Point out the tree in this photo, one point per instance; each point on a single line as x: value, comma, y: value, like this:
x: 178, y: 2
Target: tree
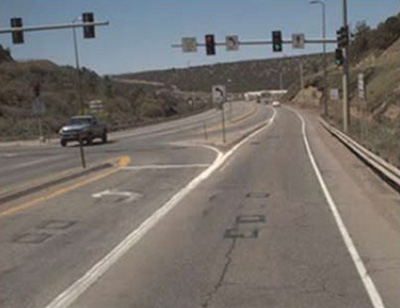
x: 361, y: 43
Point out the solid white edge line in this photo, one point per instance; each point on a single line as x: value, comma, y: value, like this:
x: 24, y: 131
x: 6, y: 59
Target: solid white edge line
x: 355, y: 256
x: 68, y: 296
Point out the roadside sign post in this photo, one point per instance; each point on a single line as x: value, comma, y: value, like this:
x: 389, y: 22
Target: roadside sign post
x: 334, y: 94
x: 219, y: 98
x: 82, y: 152
x: 363, y: 104
x: 38, y: 109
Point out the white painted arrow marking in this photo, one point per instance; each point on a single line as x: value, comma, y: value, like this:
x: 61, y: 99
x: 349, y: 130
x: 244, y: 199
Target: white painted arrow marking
x: 130, y: 196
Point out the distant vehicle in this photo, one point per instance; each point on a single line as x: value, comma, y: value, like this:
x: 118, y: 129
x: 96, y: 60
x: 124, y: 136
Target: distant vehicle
x: 258, y: 100
x: 85, y: 128
x: 276, y: 104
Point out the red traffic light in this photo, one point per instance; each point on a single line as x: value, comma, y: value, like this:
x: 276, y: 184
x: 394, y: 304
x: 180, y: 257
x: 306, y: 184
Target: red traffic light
x: 17, y: 36
x: 88, y: 31
x: 210, y: 44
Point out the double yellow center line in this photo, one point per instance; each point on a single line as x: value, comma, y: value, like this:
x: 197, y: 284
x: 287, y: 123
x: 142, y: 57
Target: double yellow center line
x: 122, y: 162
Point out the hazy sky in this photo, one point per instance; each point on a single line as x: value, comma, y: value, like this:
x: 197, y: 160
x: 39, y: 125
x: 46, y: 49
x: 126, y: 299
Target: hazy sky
x: 140, y: 33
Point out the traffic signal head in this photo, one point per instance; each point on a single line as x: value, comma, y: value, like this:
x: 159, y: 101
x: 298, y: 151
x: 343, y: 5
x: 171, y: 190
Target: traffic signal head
x: 339, y: 56
x: 88, y: 31
x: 343, y: 37
x: 210, y: 44
x: 17, y: 36
x: 277, y: 41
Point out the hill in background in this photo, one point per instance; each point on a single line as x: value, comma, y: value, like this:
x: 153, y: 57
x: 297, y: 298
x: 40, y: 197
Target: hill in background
x: 239, y: 77
x: 125, y: 105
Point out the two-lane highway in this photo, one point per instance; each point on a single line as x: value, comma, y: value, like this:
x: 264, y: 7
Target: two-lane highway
x: 26, y: 163
x: 267, y: 222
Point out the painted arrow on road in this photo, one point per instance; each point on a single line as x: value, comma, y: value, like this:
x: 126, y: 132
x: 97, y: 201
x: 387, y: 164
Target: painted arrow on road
x: 130, y: 196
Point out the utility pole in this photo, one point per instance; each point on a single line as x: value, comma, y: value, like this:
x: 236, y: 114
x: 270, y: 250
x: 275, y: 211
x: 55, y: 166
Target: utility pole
x: 346, y: 107
x: 78, y: 71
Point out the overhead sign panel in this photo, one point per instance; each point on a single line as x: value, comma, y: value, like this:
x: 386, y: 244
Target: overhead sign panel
x: 232, y: 43
x: 189, y: 44
x: 298, y: 40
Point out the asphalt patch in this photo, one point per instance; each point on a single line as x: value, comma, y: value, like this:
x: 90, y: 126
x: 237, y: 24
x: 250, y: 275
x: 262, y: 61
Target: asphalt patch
x: 32, y: 238
x: 250, y: 219
x: 257, y: 195
x: 236, y: 233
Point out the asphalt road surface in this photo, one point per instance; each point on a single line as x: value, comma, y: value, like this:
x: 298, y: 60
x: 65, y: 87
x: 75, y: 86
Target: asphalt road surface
x: 285, y: 217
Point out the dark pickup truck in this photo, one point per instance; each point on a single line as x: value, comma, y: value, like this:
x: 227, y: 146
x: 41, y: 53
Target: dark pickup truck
x: 85, y: 128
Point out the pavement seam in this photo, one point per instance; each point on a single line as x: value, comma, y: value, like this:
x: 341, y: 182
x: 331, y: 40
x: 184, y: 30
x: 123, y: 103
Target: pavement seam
x: 228, y: 256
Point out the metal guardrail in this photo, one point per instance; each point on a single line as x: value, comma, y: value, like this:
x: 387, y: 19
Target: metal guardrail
x: 386, y: 170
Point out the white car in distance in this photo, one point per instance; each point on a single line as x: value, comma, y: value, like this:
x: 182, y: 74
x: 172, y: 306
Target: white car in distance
x: 276, y: 104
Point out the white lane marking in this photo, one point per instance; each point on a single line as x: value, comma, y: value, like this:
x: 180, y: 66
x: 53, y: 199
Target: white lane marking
x: 361, y: 269
x: 9, y: 155
x: 165, y: 167
x: 30, y: 163
x: 130, y: 196
x: 68, y: 296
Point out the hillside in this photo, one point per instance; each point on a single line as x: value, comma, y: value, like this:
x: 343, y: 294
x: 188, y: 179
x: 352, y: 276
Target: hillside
x: 238, y: 76
x: 374, y: 122
x: 5, y: 55
x: 125, y: 105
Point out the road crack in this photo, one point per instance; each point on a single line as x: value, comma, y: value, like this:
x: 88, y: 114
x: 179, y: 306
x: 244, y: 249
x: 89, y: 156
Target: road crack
x: 228, y: 257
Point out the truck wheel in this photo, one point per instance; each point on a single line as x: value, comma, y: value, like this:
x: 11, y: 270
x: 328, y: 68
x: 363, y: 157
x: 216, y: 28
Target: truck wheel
x: 63, y: 143
x: 104, y: 137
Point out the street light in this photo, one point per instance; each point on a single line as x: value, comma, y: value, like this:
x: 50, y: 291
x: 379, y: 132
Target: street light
x: 324, y: 53
x: 77, y: 66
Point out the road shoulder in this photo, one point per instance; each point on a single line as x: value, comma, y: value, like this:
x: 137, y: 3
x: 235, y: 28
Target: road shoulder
x: 368, y: 206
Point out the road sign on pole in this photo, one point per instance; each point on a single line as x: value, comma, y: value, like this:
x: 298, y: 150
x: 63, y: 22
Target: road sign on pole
x: 334, y: 94
x: 38, y: 107
x: 218, y: 95
x: 232, y: 43
x: 189, y: 44
x: 298, y: 40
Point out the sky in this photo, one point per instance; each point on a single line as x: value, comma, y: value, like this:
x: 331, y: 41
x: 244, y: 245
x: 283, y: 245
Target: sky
x: 141, y: 32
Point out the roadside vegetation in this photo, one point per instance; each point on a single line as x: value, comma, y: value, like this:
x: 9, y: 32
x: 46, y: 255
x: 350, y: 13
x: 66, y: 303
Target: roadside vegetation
x: 124, y: 105
x: 375, y: 121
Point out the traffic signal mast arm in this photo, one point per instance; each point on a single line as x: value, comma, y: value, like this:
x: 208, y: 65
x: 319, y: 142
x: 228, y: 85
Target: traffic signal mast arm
x: 255, y: 43
x: 53, y: 27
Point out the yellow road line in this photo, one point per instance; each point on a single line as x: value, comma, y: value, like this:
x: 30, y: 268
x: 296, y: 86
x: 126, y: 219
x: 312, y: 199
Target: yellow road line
x: 123, y: 161
x: 29, y: 184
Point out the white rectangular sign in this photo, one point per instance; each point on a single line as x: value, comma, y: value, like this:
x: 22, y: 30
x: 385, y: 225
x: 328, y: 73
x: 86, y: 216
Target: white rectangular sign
x: 189, y: 44
x: 232, y: 42
x: 298, y: 40
x: 361, y: 86
x: 334, y: 94
x: 218, y: 95
x: 38, y: 107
